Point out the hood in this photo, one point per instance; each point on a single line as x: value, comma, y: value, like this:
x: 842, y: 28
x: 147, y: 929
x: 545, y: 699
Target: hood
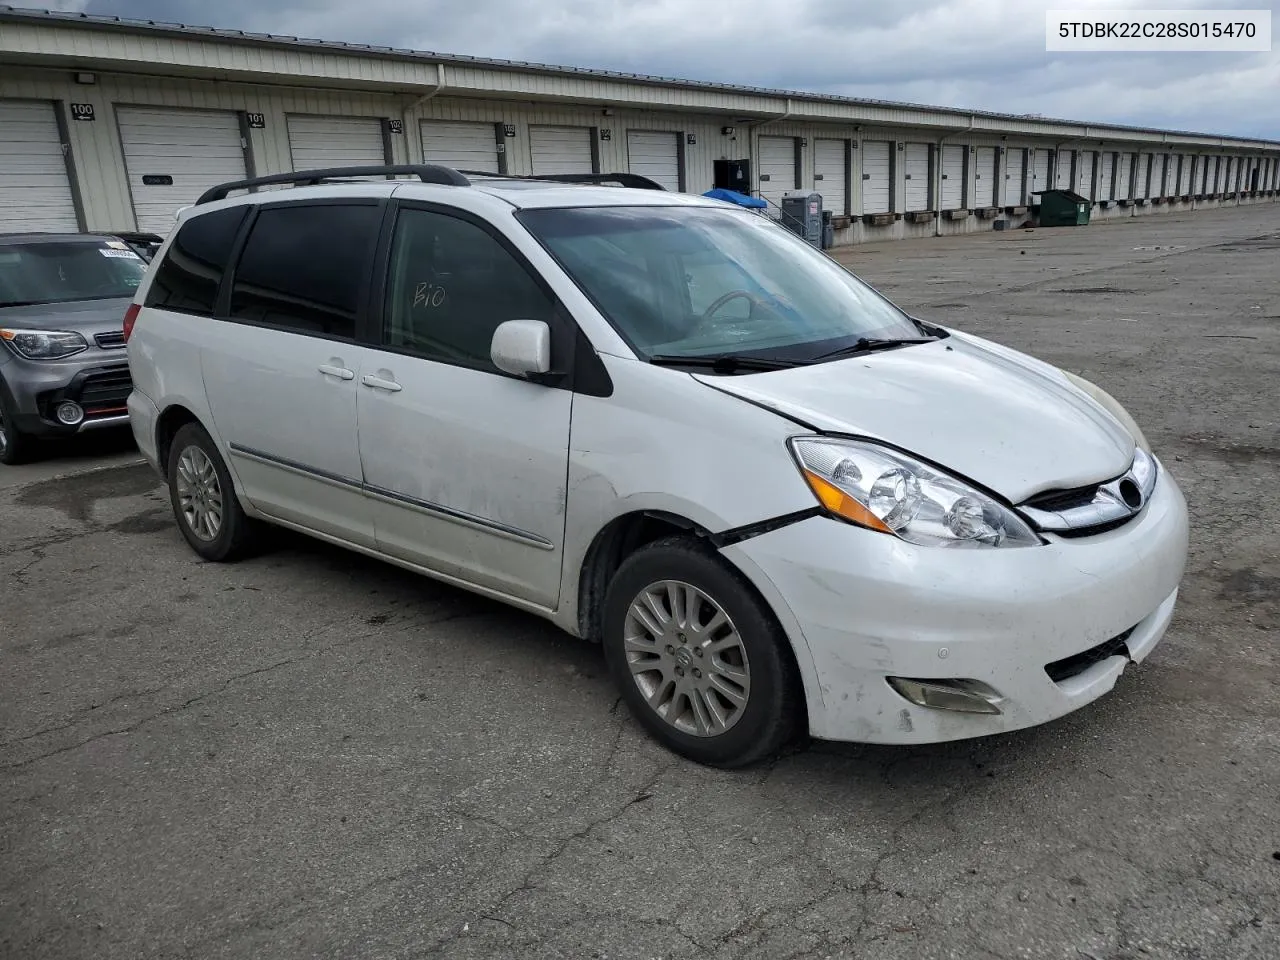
x: 1009, y: 422
x: 83, y: 316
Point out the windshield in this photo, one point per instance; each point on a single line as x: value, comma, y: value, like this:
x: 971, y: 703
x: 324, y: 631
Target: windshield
x: 698, y: 282
x: 57, y: 271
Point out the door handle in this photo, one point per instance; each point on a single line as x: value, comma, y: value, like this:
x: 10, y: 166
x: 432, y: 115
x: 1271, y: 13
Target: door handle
x: 378, y: 383
x: 342, y: 373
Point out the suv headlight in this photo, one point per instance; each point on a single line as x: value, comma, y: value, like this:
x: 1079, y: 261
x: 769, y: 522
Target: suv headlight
x: 887, y: 491
x: 44, y: 344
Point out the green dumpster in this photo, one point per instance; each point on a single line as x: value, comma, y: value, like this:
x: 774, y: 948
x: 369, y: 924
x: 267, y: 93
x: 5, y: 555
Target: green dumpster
x: 1062, y: 208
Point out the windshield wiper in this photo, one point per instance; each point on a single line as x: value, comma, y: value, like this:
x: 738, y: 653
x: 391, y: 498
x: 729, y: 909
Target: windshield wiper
x: 722, y: 362
x: 869, y: 345
x: 18, y: 303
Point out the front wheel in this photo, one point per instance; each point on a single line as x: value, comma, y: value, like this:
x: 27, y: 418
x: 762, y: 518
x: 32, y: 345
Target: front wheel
x: 699, y: 657
x: 203, y: 498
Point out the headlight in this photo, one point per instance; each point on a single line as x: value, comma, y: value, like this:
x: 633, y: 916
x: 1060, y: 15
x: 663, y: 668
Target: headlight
x: 1112, y: 406
x: 44, y: 344
x: 888, y: 491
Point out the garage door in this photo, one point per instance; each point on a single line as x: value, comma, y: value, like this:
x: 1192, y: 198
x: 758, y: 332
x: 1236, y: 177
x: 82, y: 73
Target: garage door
x: 1062, y: 170
x: 655, y: 155
x: 173, y: 156
x: 916, y: 173
x: 875, y: 176
x: 1142, y: 186
x: 1184, y: 175
x: 34, y: 191
x: 561, y: 149
x: 1229, y: 184
x: 1015, y: 168
x: 1039, y: 172
x: 830, y: 173
x: 984, y: 177
x: 1085, y: 162
x: 463, y: 146
x: 777, y: 169
x: 1106, y: 176
x: 952, y: 177
x: 319, y: 142
x: 1124, y: 177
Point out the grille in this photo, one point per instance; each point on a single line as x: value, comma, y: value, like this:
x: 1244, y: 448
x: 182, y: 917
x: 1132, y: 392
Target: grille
x: 110, y: 341
x: 1077, y: 664
x: 101, y: 392
x: 1056, y: 500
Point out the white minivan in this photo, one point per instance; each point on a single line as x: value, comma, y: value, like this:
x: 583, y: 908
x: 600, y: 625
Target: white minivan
x: 668, y: 425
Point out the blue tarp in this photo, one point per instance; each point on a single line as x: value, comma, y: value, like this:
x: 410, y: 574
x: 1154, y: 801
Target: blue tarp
x: 732, y: 196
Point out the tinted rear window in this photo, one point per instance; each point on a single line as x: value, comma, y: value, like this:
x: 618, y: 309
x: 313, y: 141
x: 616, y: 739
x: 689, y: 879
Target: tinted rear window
x: 304, y: 267
x: 188, y: 278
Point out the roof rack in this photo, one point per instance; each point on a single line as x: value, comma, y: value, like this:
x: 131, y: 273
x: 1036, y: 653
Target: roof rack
x: 633, y: 180
x: 426, y: 172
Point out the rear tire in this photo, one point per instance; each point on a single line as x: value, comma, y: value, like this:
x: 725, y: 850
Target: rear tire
x: 204, y: 499
x: 15, y: 446
x: 699, y: 657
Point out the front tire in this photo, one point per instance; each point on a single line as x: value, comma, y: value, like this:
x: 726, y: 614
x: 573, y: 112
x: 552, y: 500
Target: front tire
x: 699, y: 657
x: 204, y: 499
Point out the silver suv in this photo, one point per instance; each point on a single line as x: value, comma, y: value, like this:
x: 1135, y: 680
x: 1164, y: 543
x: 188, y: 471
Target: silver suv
x: 63, y: 368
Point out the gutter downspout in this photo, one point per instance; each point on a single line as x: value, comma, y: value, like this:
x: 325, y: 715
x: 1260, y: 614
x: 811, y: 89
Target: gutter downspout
x: 937, y: 176
x: 414, y: 105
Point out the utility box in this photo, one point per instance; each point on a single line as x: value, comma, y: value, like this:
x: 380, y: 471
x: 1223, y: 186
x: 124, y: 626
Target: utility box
x: 802, y: 215
x: 1062, y: 208
x: 733, y: 175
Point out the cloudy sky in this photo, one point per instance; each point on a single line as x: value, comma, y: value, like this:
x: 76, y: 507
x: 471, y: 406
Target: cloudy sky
x: 981, y: 54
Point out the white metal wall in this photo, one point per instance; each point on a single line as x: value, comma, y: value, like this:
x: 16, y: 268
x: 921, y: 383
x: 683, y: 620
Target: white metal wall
x: 830, y: 170
x: 875, y: 176
x: 172, y: 156
x: 916, y: 176
x: 35, y: 193
x: 952, y: 176
x: 463, y: 145
x: 984, y: 177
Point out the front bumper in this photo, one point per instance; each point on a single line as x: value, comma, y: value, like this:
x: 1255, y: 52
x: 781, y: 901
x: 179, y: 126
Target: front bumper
x: 36, y: 389
x: 861, y: 606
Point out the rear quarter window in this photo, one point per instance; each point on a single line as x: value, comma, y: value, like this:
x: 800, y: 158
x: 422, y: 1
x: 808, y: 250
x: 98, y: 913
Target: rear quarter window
x: 188, y: 278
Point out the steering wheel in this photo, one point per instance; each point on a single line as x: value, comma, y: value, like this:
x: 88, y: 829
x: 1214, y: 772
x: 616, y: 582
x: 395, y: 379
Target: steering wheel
x: 720, y: 301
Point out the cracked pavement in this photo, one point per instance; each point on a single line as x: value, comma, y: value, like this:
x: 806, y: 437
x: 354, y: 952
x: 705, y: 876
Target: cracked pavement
x: 313, y: 754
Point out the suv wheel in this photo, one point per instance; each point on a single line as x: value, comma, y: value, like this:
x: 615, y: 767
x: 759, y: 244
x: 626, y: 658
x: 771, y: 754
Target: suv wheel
x: 204, y: 499
x: 699, y: 657
x: 15, y: 446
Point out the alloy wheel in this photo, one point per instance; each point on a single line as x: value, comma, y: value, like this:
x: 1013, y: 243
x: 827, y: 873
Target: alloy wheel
x: 199, y: 493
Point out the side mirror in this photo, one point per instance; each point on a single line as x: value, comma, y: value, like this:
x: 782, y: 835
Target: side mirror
x: 522, y: 347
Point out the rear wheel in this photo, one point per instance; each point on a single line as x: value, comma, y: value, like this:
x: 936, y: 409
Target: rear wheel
x: 15, y: 446
x: 699, y: 657
x: 204, y: 500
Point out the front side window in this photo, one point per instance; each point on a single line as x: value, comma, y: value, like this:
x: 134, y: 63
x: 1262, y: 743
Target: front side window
x: 698, y: 281
x: 188, y: 278
x: 450, y: 285
x: 59, y: 271
x: 304, y: 267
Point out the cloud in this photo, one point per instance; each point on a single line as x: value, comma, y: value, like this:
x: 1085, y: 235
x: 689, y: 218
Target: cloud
x: 977, y: 54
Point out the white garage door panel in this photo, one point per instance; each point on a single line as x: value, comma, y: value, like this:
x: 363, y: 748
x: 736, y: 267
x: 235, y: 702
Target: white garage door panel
x: 1124, y: 188
x: 1039, y: 173
x: 463, y: 146
x: 655, y: 155
x: 915, y: 174
x: 1106, y: 178
x: 984, y: 183
x: 560, y: 149
x: 34, y: 191
x: 875, y: 176
x: 1015, y: 168
x: 952, y: 177
x: 1184, y: 176
x: 1141, y: 187
x: 1085, y: 161
x: 1062, y: 170
x: 198, y: 149
x: 829, y: 165
x: 319, y: 142
x: 777, y: 169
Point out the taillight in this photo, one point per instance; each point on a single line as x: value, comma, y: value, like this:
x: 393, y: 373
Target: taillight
x: 130, y: 317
